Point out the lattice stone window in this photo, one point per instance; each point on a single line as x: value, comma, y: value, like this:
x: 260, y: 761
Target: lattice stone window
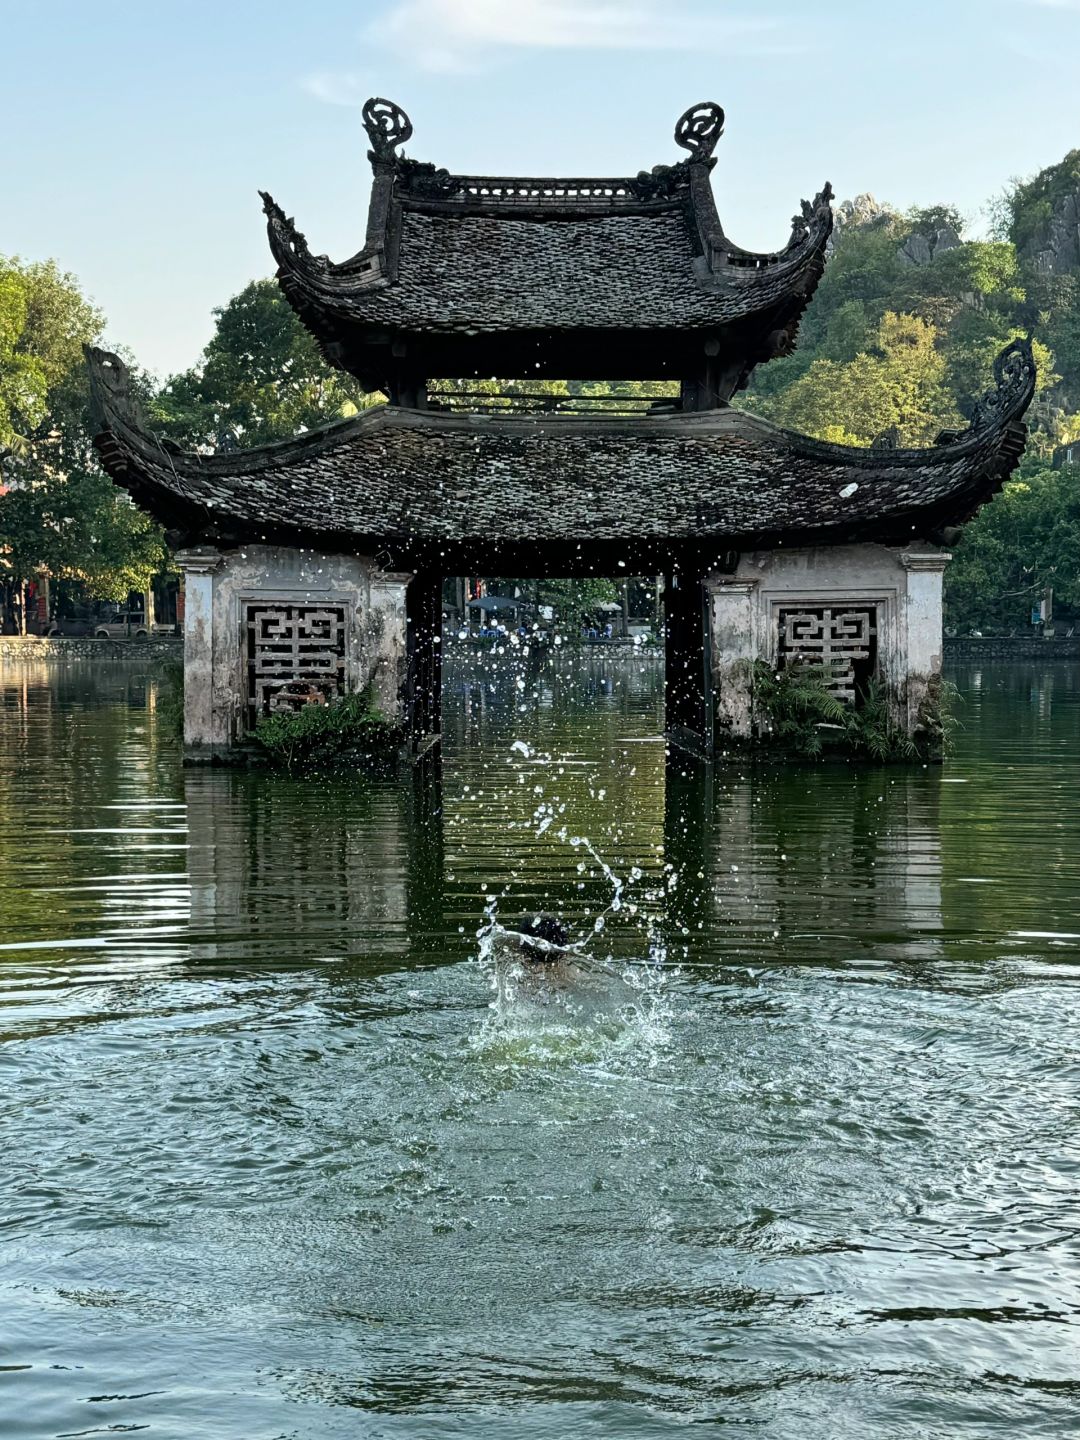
x: 841, y: 638
x: 295, y: 654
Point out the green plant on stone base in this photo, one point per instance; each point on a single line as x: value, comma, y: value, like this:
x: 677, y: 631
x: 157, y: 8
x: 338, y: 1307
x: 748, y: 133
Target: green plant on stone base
x: 346, y: 734
x: 794, y: 706
x: 872, y: 728
x: 937, y: 720
x: 797, y: 710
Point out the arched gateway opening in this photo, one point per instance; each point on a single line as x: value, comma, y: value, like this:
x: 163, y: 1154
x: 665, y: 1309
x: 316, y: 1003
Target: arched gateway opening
x: 318, y: 562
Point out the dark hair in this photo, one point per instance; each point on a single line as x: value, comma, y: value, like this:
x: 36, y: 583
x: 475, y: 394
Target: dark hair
x: 543, y: 927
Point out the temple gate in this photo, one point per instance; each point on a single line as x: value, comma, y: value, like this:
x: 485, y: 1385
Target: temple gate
x: 314, y: 566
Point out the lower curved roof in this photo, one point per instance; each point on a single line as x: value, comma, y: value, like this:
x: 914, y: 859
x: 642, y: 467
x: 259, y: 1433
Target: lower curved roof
x: 422, y: 481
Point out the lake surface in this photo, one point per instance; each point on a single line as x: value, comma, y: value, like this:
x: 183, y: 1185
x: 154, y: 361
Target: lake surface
x: 272, y: 1165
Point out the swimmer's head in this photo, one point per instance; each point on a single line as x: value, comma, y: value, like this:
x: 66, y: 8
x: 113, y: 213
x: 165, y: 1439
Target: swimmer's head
x: 543, y: 927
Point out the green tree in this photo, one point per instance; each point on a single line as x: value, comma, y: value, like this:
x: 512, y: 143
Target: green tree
x: 901, y: 382
x: 572, y: 600
x: 44, y: 322
x: 59, y: 514
x: 260, y: 378
x: 1026, y: 539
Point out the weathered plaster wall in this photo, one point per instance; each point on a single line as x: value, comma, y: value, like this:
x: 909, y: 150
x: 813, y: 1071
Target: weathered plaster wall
x: 924, y: 634
x: 385, y: 641
x: 220, y: 584
x: 904, y: 586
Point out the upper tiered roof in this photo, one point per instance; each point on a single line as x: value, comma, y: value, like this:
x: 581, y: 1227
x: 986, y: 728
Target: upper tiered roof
x: 576, y: 278
x: 415, y: 487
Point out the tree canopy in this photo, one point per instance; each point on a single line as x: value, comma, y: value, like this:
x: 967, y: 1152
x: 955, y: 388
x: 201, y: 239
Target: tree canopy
x: 60, y: 515
x: 260, y: 378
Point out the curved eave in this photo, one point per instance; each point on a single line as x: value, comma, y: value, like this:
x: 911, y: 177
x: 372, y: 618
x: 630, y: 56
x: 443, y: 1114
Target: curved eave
x: 270, y: 493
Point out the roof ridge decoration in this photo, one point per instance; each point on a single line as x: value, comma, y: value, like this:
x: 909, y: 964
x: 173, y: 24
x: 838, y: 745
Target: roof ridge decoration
x: 284, y: 233
x: 1014, y: 380
x: 116, y: 404
x: 387, y: 126
x: 699, y: 128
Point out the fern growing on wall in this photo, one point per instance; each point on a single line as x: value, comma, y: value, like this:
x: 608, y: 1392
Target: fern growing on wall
x: 796, y: 709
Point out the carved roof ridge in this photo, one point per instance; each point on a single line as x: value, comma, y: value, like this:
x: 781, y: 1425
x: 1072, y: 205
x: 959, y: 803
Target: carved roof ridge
x: 388, y: 126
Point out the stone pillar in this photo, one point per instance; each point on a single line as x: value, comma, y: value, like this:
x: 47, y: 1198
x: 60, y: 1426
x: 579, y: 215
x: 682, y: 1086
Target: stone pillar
x: 734, y: 650
x: 923, y: 626
x: 198, y: 567
x: 149, y: 609
x: 385, y: 633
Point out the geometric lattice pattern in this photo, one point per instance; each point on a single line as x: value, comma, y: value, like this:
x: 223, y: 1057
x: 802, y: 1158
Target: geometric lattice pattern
x: 841, y: 639
x: 295, y: 656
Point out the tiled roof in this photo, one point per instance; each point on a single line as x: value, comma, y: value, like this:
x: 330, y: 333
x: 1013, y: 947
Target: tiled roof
x: 421, y: 478
x: 467, y: 256
x: 475, y: 273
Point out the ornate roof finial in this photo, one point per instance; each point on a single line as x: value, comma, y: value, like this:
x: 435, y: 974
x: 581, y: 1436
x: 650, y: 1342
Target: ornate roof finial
x: 889, y: 439
x: 110, y: 387
x: 387, y: 126
x: 283, y: 231
x: 699, y: 129
x: 1014, y: 385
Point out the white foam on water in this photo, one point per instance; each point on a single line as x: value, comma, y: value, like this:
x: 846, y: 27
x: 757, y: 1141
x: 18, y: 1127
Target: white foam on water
x: 574, y: 1009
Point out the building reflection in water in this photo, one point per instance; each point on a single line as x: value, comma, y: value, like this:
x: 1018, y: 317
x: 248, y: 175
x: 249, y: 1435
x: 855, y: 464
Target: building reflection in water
x: 755, y: 865
x: 821, y: 864
x: 288, y: 871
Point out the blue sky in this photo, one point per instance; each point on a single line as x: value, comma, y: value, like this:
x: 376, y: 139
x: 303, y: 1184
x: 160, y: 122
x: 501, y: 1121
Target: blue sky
x: 137, y: 132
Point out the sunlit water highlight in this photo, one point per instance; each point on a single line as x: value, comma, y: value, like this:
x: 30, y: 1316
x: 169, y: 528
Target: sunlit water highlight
x: 278, y: 1158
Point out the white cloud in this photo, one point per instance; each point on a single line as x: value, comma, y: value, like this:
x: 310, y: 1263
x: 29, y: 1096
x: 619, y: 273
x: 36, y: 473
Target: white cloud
x: 337, y: 88
x: 457, y: 27
x: 465, y: 36
x: 459, y: 36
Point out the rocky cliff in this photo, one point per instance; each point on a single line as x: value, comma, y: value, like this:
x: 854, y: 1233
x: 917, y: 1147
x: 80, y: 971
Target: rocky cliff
x: 1046, y: 218
x: 1058, y: 249
x: 918, y: 248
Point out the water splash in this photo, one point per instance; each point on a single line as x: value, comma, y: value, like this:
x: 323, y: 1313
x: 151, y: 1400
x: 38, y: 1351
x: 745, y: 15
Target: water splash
x: 580, y: 999
x: 576, y: 1007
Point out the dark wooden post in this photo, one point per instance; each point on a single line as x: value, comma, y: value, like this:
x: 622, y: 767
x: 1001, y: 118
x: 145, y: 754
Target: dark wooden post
x: 688, y: 841
x: 425, y: 876
x: 423, y: 693
x: 688, y: 698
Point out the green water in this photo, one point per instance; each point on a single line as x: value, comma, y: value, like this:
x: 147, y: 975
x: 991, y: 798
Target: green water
x: 272, y: 1166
